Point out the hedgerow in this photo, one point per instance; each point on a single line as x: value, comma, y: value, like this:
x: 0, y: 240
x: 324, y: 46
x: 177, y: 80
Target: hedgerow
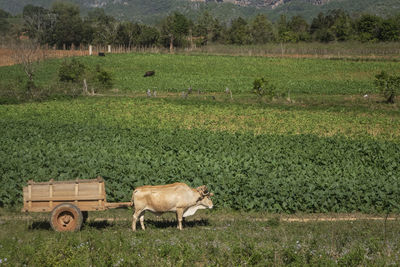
x: 274, y: 173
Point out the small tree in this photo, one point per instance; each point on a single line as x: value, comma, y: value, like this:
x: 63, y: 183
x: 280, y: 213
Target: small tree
x: 29, y: 54
x: 389, y: 85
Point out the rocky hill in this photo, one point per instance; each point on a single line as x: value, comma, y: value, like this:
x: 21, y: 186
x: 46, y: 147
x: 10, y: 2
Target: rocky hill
x: 152, y: 11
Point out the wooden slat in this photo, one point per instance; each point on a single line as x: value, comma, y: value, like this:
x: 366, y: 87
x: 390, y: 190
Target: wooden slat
x: 48, y: 209
x: 76, y: 192
x: 64, y: 198
x: 100, y: 190
x: 51, y: 195
x: 68, y: 181
x: 29, y: 195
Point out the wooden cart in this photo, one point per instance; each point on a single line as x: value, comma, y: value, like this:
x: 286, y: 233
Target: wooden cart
x: 68, y: 201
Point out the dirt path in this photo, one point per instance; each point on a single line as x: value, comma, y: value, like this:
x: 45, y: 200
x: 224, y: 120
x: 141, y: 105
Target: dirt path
x: 282, y: 218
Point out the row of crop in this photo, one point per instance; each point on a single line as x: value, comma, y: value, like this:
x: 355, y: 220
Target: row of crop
x: 267, y: 172
x: 353, y: 122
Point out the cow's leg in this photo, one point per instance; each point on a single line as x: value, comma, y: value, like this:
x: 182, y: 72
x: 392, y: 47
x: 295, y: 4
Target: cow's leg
x: 179, y: 217
x: 135, y: 217
x: 142, y: 220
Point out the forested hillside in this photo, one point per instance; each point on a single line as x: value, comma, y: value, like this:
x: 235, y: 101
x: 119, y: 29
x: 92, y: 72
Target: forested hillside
x: 152, y: 11
x: 64, y: 26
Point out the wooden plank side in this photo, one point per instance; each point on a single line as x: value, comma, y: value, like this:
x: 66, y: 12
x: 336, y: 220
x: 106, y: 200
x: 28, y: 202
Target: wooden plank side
x: 40, y: 206
x: 62, y: 190
x: 39, y: 191
x: 89, y: 189
x: 65, y: 198
x: 82, y: 205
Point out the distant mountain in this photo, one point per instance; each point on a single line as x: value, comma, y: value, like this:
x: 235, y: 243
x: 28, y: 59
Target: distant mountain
x: 152, y: 11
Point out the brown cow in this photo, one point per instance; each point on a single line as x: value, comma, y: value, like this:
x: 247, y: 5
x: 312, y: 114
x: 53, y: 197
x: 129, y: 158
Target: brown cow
x: 177, y: 197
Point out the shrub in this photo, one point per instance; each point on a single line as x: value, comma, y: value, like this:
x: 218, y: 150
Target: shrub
x: 103, y: 77
x: 262, y: 87
x: 389, y: 85
x: 71, y: 71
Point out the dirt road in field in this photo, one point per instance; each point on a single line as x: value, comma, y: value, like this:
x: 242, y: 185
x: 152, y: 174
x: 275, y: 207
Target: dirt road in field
x: 282, y: 218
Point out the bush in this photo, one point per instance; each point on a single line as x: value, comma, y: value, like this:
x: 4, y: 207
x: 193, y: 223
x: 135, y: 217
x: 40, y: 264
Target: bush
x: 103, y: 77
x: 388, y: 85
x: 71, y: 71
x: 262, y: 87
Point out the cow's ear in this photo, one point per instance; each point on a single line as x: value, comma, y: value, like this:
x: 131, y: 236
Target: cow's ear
x: 202, y: 190
x: 211, y: 194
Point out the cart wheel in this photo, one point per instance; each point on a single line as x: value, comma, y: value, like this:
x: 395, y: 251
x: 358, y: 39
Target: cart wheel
x: 66, y: 218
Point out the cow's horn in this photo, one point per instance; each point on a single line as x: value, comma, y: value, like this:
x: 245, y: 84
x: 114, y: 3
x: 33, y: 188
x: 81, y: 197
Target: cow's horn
x: 203, y: 190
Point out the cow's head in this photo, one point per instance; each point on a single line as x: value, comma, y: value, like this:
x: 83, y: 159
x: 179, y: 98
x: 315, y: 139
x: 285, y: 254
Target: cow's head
x: 205, y: 197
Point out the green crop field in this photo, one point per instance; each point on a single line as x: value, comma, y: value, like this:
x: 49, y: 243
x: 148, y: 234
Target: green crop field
x: 252, y: 156
x: 214, y: 73
x: 328, y: 149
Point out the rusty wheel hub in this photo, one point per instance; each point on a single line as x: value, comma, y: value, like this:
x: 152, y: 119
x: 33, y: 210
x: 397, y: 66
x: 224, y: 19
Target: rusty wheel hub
x: 66, y: 220
x: 66, y: 217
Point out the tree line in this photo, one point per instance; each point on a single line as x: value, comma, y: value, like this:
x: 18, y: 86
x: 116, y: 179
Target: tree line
x: 62, y: 25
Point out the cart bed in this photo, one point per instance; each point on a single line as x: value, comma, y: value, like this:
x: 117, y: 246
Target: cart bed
x: 87, y: 195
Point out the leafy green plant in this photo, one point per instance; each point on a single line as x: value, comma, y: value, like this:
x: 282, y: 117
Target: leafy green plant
x: 71, y: 71
x: 103, y: 77
x: 388, y: 85
x: 262, y: 87
x: 263, y: 172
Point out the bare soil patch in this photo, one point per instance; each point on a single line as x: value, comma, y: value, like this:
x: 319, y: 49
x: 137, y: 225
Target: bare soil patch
x: 7, y: 55
x: 231, y: 217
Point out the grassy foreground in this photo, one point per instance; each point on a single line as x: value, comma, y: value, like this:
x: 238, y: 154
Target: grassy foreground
x: 209, y: 238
